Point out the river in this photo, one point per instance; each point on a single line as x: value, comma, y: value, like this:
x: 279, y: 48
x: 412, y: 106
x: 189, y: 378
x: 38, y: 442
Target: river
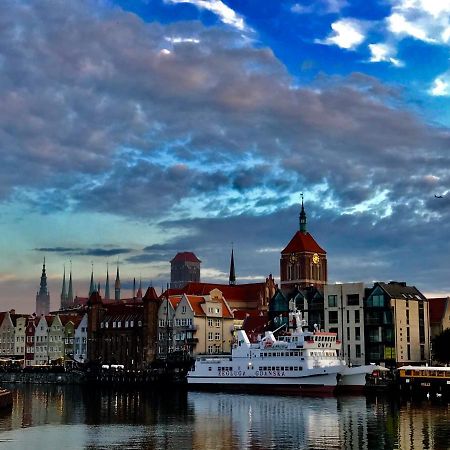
x: 70, y: 417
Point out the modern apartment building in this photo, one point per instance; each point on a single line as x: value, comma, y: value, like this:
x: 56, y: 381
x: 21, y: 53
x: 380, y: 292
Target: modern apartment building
x: 344, y: 315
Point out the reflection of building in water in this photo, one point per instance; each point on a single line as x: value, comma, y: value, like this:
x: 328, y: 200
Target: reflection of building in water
x: 352, y: 423
x: 423, y: 426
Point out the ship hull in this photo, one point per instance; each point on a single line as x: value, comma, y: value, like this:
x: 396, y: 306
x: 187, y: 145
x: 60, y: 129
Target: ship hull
x: 323, y: 384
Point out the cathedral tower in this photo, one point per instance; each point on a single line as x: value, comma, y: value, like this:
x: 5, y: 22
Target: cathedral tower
x: 303, y: 262
x: 43, y: 296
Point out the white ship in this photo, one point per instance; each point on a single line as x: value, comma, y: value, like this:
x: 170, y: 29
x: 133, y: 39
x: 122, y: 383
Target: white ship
x: 302, y: 362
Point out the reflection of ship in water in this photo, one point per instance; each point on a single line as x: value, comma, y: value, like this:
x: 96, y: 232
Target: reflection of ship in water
x: 243, y: 421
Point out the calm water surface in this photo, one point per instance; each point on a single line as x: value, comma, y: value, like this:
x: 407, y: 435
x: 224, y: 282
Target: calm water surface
x: 57, y: 417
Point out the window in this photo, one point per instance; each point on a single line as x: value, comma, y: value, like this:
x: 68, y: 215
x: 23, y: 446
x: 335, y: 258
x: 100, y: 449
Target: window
x: 408, y: 337
x: 217, y: 337
x: 358, y: 351
x: 348, y: 316
x: 357, y: 319
x: 210, y: 336
x: 376, y: 301
x: 210, y: 322
x: 210, y: 349
x: 217, y: 323
x: 348, y: 333
x: 408, y: 350
x: 183, y: 309
x: 407, y: 317
x: 332, y: 301
x: 352, y: 299
x: 332, y: 316
x: 357, y: 333
x: 119, y: 324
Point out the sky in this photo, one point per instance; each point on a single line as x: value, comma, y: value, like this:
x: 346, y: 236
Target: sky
x: 131, y: 130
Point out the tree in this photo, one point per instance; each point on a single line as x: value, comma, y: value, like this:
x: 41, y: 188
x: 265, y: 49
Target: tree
x: 441, y: 347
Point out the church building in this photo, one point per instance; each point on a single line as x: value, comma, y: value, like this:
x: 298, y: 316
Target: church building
x: 303, y: 262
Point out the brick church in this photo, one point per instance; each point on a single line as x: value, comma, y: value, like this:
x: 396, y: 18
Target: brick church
x: 303, y: 262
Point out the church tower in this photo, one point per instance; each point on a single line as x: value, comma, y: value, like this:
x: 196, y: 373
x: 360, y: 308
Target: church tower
x: 184, y: 269
x: 303, y: 262
x: 43, y: 296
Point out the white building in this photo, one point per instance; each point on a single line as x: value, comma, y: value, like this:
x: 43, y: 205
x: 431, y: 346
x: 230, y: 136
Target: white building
x: 41, y: 355
x: 344, y: 315
x: 19, y: 336
x: 80, y: 343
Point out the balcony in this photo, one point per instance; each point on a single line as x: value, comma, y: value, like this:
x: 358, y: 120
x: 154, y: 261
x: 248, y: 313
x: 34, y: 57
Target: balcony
x: 192, y: 341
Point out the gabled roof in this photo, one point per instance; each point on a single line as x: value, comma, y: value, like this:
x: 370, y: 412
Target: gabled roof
x: 437, y: 309
x: 400, y: 290
x: 185, y: 256
x: 303, y: 242
x: 196, y: 302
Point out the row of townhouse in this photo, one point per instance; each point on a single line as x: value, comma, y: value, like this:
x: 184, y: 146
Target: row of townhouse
x: 41, y: 340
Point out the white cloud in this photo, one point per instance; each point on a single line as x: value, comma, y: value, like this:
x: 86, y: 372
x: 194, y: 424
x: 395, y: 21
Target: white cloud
x: 226, y: 14
x: 347, y: 33
x: 441, y: 86
x: 384, y: 53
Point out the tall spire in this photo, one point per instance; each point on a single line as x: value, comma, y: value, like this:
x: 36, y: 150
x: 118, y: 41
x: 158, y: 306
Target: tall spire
x: 117, y: 284
x: 232, y: 279
x: 92, y: 285
x: 302, y: 218
x: 107, y: 282
x: 139, y: 291
x: 70, y: 290
x: 43, y: 296
x: 43, y: 286
x: 134, y: 287
x: 63, y: 289
x: 98, y: 287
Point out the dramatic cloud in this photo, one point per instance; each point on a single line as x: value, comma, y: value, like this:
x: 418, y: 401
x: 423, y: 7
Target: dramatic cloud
x: 203, y: 134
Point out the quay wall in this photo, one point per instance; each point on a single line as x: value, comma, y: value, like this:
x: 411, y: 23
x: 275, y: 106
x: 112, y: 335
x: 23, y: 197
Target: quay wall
x: 42, y: 378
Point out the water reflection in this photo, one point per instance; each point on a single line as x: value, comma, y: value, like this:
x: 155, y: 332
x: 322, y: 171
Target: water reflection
x: 100, y: 419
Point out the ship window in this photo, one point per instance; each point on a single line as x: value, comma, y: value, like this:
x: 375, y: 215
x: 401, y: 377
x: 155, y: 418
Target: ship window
x: 209, y: 368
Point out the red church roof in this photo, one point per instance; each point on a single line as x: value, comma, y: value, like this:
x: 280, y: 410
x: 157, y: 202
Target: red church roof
x: 185, y: 256
x: 303, y: 242
x: 239, y: 292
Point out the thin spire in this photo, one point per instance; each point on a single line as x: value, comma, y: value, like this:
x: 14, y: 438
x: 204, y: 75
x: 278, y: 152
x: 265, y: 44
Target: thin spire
x: 302, y: 217
x: 92, y: 286
x: 139, y: 292
x: 107, y: 282
x: 117, y: 284
x: 63, y: 289
x: 134, y: 288
x: 232, y: 279
x: 70, y: 290
x: 98, y: 288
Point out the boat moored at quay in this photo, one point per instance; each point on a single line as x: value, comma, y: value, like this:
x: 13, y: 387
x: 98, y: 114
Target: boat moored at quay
x: 301, y: 362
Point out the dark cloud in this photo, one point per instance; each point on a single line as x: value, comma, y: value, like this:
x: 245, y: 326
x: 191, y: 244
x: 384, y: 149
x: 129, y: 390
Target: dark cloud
x: 85, y: 252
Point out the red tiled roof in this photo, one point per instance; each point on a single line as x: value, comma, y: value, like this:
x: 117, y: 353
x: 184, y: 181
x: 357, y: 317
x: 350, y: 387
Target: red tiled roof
x: 437, y: 309
x: 303, y: 242
x: 240, y: 292
x: 185, y: 256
